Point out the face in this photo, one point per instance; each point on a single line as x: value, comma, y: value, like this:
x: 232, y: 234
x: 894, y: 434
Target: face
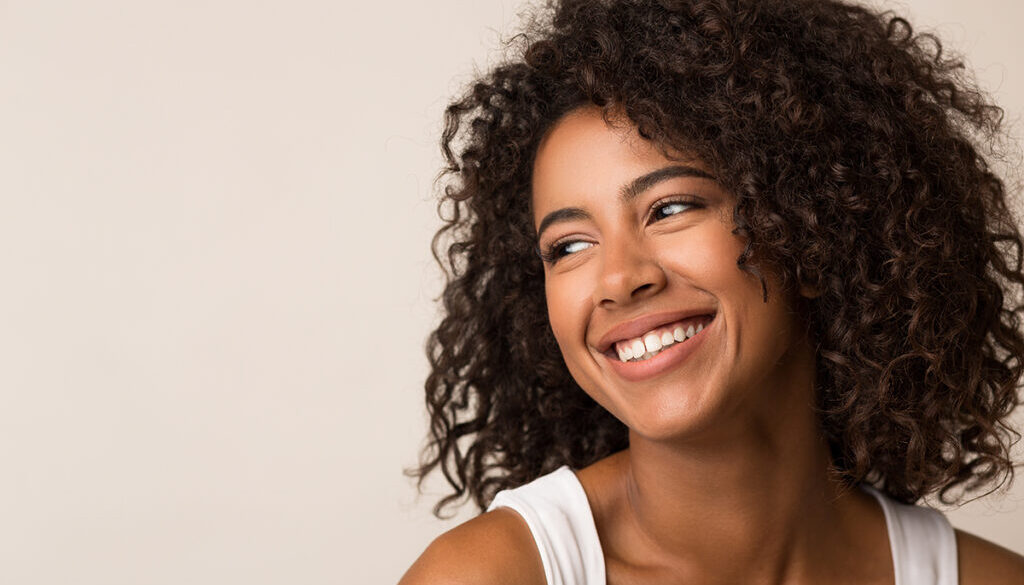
x: 652, y: 315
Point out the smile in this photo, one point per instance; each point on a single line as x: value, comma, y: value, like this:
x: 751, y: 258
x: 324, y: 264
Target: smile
x: 659, y: 339
x: 644, y: 364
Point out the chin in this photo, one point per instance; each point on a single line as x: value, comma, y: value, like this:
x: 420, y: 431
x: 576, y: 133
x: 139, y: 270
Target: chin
x: 669, y: 420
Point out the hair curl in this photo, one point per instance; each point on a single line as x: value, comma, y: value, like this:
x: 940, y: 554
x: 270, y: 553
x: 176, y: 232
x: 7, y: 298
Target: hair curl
x: 853, y: 147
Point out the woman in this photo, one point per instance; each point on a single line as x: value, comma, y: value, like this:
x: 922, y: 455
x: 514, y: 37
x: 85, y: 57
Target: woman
x: 730, y: 286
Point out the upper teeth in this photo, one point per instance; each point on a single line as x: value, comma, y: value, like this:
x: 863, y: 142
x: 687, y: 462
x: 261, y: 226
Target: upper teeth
x: 651, y: 343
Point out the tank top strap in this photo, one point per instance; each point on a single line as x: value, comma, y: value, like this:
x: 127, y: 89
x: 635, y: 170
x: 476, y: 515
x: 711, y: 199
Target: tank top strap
x: 556, y: 509
x: 922, y: 542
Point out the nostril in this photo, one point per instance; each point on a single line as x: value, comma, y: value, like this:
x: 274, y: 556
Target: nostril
x: 626, y: 279
x: 642, y: 288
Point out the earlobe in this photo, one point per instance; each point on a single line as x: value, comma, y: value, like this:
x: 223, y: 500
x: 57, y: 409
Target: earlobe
x: 809, y: 292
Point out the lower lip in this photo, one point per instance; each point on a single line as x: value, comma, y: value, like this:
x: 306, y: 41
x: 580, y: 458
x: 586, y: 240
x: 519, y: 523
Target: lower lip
x: 661, y: 363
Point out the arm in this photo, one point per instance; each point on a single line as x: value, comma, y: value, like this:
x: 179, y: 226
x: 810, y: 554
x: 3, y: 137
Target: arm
x: 985, y: 563
x: 495, y: 548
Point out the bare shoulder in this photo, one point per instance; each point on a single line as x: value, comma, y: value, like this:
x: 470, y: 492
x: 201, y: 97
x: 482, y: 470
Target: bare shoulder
x: 495, y: 548
x: 986, y: 563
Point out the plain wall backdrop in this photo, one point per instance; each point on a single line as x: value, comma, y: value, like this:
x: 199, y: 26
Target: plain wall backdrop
x: 216, y: 280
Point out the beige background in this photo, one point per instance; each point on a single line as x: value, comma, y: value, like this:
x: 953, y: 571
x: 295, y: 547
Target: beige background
x: 216, y: 280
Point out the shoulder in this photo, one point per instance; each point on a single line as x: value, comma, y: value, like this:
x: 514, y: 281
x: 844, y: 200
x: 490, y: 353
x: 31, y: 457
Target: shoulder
x: 495, y: 548
x: 985, y: 563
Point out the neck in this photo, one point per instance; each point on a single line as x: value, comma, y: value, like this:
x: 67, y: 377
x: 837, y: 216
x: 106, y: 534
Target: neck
x: 752, y: 498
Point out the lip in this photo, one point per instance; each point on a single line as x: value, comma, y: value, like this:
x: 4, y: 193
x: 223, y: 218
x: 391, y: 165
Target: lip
x: 638, y: 327
x: 664, y: 361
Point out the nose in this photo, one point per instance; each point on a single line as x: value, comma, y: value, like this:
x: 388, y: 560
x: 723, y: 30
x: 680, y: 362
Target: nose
x: 629, y: 272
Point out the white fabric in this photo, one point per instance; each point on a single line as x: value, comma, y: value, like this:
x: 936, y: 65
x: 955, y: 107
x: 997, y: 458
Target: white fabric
x: 922, y: 542
x: 556, y: 509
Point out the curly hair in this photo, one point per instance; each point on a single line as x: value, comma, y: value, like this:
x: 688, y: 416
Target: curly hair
x: 854, y: 148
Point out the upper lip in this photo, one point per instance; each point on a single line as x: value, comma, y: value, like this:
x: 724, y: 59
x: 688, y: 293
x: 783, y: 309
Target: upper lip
x: 641, y: 325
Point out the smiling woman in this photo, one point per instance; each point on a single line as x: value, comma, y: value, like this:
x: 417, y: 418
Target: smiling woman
x: 731, y: 287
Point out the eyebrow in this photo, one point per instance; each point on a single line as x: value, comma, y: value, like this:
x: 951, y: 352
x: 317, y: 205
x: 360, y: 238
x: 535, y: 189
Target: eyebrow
x: 627, y: 193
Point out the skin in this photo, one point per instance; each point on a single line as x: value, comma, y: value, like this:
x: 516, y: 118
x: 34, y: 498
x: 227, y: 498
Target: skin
x: 724, y: 443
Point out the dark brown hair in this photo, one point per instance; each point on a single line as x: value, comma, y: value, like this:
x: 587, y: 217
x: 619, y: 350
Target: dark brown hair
x: 855, y: 150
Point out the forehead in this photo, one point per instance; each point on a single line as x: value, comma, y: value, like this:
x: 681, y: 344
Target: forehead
x: 583, y: 157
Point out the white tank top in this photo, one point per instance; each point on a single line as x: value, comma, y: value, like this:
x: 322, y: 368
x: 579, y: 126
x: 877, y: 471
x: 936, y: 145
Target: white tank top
x: 556, y: 509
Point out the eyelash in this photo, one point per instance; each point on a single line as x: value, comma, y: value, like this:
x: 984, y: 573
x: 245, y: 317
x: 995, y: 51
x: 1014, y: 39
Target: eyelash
x: 554, y: 252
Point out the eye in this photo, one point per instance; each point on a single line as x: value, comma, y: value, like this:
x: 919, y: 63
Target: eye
x: 562, y: 249
x: 671, y: 207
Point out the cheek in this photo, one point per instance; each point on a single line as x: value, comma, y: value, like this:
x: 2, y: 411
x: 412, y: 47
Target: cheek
x: 706, y: 256
x: 569, y: 308
x: 568, y: 301
x: 564, y: 302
